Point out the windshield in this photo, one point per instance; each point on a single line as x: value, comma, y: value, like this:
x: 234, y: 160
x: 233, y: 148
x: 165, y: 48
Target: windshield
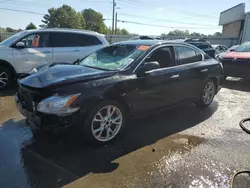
x: 115, y: 57
x: 243, y: 48
x: 11, y: 39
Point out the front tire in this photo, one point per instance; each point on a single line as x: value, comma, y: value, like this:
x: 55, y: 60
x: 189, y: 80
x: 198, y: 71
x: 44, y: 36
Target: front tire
x: 104, y: 123
x: 5, y: 78
x: 207, y: 94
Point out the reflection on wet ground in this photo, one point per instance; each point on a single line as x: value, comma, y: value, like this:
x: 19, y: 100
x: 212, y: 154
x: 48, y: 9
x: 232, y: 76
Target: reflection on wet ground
x: 184, y: 147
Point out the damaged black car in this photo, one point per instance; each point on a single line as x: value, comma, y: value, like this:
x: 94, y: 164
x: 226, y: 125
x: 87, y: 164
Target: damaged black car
x: 133, y: 78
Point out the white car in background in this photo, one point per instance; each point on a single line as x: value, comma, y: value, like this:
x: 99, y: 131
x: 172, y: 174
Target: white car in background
x: 219, y: 48
x: 26, y: 50
x: 232, y: 48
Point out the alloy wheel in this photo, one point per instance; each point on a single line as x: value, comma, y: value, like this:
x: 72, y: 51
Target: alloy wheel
x: 3, y: 79
x: 107, y: 123
x: 208, y: 93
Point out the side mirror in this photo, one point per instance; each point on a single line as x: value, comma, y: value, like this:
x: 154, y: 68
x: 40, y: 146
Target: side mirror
x: 148, y: 66
x: 232, y: 50
x: 20, y: 45
x: 76, y: 62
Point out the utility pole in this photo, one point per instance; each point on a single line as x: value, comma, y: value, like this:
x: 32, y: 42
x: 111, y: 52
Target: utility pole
x: 116, y: 23
x: 113, y: 17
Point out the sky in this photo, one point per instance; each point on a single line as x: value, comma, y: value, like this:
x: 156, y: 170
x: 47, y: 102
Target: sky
x: 162, y: 15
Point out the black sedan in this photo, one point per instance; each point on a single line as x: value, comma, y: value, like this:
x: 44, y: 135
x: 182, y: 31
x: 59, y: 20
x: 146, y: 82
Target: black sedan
x: 202, y: 44
x: 118, y: 82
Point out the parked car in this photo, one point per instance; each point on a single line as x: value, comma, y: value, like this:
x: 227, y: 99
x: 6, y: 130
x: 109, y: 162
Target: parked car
x: 146, y: 38
x: 219, y: 48
x: 232, y: 48
x: 202, y: 44
x: 236, y: 61
x: 25, y: 50
x: 121, y: 81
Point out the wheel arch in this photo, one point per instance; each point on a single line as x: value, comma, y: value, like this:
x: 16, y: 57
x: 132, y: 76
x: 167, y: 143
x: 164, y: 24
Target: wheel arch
x: 7, y: 65
x: 116, y: 96
x: 215, y: 80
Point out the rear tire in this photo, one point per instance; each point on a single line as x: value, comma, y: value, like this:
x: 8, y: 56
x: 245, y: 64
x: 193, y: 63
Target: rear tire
x: 5, y: 78
x: 207, y: 94
x: 104, y: 123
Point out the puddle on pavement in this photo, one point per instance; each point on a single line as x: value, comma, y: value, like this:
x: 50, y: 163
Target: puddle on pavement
x: 136, y: 168
x: 8, y: 109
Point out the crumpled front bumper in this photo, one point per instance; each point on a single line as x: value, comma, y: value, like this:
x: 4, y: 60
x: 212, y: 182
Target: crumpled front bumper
x: 39, y: 120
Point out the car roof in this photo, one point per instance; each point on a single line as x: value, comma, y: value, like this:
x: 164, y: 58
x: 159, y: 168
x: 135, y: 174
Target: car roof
x: 66, y: 30
x: 215, y: 45
x: 150, y: 42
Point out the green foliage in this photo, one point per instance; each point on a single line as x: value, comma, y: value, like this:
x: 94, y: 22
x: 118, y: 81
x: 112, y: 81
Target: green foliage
x: 30, y: 26
x: 108, y: 31
x: 94, y: 20
x: 63, y: 17
x: 178, y: 32
x: 187, y: 34
x: 217, y: 34
x: 67, y: 17
x: 8, y: 29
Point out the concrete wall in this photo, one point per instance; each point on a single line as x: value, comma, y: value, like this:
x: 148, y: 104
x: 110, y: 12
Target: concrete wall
x: 232, y: 29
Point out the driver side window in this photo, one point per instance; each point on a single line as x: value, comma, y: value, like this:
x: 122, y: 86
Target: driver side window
x: 36, y: 40
x: 164, y: 56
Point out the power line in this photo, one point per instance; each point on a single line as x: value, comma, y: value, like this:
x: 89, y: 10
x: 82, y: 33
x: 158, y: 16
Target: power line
x: 25, y: 3
x: 23, y: 11
x: 158, y: 19
x: 154, y: 25
x: 96, y: 1
x: 181, y: 12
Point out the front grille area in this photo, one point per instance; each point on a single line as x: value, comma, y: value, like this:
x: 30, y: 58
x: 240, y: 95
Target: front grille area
x: 29, y: 98
x: 26, y: 99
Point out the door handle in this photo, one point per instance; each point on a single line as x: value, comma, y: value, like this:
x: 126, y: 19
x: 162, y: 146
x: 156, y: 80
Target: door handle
x: 204, y: 70
x: 47, y: 52
x: 175, y: 76
x: 76, y: 51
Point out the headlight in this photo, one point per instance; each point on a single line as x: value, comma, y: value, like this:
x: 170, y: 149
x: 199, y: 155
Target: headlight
x: 33, y: 71
x: 58, y: 105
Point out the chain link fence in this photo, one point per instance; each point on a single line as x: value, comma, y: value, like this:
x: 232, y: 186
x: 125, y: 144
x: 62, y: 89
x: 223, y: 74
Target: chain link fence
x: 4, y: 35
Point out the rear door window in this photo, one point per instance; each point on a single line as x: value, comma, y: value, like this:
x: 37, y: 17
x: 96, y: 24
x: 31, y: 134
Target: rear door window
x: 88, y: 40
x: 73, y: 40
x: 187, y: 55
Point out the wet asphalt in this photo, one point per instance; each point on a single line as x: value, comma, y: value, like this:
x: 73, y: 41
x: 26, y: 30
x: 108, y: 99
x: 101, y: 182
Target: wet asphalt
x: 183, y: 147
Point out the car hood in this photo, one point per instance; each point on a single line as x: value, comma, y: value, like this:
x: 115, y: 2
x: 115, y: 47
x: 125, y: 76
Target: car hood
x: 5, y: 48
x: 232, y: 55
x: 64, y: 74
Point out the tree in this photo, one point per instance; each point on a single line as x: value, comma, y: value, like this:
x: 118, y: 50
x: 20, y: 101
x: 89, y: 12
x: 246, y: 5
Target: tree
x: 124, y: 32
x: 63, y: 17
x: 195, y: 34
x: 8, y: 29
x: 178, y: 32
x: 94, y: 20
x: 217, y: 34
x: 30, y: 26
